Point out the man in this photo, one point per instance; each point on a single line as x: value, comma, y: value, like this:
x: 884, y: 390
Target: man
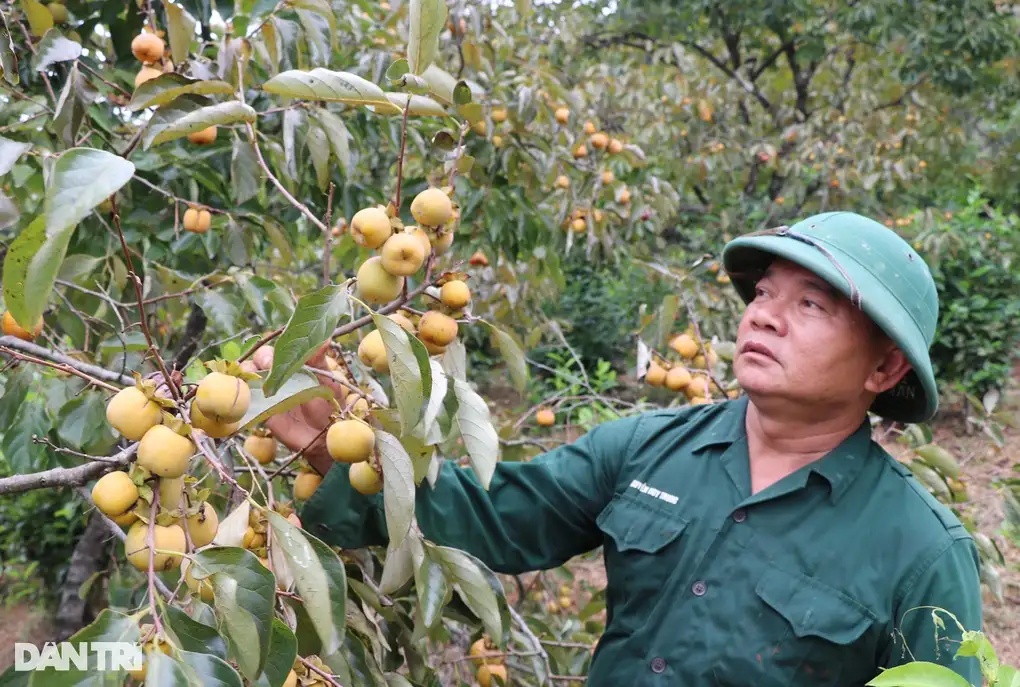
x: 760, y: 541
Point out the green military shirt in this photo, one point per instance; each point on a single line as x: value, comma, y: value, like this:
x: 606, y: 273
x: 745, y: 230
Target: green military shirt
x: 808, y: 582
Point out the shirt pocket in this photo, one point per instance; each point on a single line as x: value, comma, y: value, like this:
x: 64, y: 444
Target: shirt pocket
x: 642, y: 545
x: 809, y: 633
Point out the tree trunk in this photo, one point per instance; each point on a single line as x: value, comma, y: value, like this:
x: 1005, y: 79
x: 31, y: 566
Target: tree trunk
x: 89, y: 557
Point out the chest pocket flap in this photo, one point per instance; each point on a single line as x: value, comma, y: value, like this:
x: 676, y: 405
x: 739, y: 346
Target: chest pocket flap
x: 813, y: 608
x: 637, y: 526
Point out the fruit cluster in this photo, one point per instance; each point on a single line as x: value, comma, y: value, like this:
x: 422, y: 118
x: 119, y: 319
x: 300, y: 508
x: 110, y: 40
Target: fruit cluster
x: 678, y: 376
x: 489, y: 660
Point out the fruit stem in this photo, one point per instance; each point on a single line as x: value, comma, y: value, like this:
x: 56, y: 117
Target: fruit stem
x: 400, y: 160
x: 151, y: 541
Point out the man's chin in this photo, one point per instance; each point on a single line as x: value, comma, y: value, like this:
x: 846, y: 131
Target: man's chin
x: 756, y: 380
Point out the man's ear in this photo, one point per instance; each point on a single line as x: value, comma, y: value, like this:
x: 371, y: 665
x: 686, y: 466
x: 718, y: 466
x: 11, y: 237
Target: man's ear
x: 891, y: 369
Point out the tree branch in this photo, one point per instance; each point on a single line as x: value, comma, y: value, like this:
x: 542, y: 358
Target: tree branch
x: 66, y: 477
x: 276, y: 182
x: 46, y: 354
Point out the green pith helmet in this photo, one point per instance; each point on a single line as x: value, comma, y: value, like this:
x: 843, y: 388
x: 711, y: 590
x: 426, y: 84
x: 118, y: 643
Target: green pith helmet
x: 873, y: 267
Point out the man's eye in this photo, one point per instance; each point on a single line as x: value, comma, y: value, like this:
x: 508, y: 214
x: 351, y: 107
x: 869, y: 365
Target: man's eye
x: 811, y: 304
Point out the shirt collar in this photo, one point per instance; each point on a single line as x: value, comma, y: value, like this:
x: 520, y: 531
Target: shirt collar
x: 839, y: 467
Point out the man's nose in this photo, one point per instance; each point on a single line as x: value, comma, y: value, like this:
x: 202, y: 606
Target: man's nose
x: 767, y: 316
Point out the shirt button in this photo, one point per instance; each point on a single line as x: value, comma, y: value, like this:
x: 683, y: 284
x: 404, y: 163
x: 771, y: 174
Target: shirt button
x: 658, y: 664
x: 698, y: 588
x: 739, y: 515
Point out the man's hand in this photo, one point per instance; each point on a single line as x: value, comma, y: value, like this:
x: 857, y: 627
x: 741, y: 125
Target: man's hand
x: 299, y: 427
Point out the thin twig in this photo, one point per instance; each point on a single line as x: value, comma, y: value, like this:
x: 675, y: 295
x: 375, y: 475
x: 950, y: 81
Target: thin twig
x: 60, y: 449
x: 63, y: 367
x: 329, y: 235
x: 276, y: 182
x: 99, y: 76
x: 150, y: 538
x: 287, y: 463
x: 400, y: 160
x: 133, y: 276
x: 94, y: 371
x: 46, y: 79
x: 523, y: 626
x: 64, y: 477
x: 218, y: 467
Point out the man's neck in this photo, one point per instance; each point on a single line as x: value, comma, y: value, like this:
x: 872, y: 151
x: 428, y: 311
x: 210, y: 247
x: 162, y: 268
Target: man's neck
x: 780, y: 443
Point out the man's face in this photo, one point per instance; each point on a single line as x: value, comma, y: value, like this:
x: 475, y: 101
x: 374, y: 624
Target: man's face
x: 802, y: 341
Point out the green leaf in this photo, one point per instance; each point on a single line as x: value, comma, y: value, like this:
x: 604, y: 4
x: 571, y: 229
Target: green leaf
x: 514, y: 357
x: 440, y: 385
x: 410, y: 371
x: 311, y: 325
x: 244, y: 593
x: 254, y: 289
x: 219, y: 309
x: 168, y: 87
x: 222, y: 114
x: 245, y: 175
x: 278, y: 237
x: 667, y: 318
x: 166, y: 115
x: 337, y: 134
x: 480, y: 437
x: 282, y: 652
x: 81, y: 179
x: 320, y: 7
x: 918, y: 674
x: 397, y: 70
x: 325, y: 85
x: 426, y: 19
x: 296, y: 391
x: 181, y: 30
x: 39, y: 18
x: 938, y: 457
x: 432, y: 587
x: 398, y: 567
x: 455, y: 360
x: 207, y: 670
x: 319, y: 577
x: 398, y: 486
x: 109, y: 626
x: 318, y: 150
x: 15, y: 390
x: 166, y: 671
x: 473, y: 588
x: 420, y: 105
x: 193, y: 635
x: 72, y: 106
x: 82, y: 424
x: 443, y: 142
x: 461, y: 93
x: 8, y: 58
x: 54, y: 47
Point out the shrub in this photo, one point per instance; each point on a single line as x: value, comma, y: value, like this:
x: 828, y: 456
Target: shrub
x: 972, y: 253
